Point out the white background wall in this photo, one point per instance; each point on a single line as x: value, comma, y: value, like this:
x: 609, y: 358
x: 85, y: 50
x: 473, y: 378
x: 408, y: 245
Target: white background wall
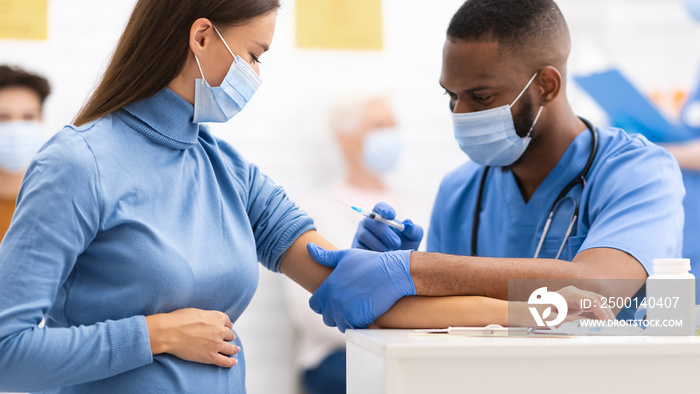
x: 283, y: 129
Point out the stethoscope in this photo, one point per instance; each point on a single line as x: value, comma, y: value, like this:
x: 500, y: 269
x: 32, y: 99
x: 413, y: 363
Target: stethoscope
x: 580, y: 179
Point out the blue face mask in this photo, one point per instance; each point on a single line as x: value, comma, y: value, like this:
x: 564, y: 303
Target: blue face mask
x: 220, y: 104
x: 489, y: 138
x: 19, y: 142
x: 381, y: 149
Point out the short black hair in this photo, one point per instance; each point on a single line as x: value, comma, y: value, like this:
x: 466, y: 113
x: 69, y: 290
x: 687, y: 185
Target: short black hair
x: 11, y: 77
x: 517, y: 25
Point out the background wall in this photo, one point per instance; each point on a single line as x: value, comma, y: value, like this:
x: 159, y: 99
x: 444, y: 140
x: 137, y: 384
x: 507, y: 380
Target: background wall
x: 283, y: 128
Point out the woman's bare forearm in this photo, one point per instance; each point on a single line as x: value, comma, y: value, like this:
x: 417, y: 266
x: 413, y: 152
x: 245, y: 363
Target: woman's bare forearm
x: 442, y: 312
x: 298, y: 265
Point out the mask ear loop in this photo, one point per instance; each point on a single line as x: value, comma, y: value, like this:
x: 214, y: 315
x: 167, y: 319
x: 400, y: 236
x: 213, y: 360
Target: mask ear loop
x: 524, y: 89
x: 225, y: 44
x: 539, y: 112
x: 537, y: 117
x: 200, y: 68
x: 224, y: 41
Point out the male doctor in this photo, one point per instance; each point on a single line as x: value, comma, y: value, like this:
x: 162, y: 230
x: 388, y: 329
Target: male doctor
x: 546, y: 195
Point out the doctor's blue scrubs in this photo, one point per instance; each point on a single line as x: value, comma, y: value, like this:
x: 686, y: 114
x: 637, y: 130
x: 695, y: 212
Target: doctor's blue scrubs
x: 632, y: 202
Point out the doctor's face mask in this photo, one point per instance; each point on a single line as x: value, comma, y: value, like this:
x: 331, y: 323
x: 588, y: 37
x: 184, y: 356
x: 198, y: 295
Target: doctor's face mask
x: 221, y: 103
x: 489, y: 137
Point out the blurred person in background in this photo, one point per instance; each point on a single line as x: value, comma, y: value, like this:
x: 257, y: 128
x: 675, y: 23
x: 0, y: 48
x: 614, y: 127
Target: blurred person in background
x: 364, y: 128
x: 688, y: 155
x: 22, y: 96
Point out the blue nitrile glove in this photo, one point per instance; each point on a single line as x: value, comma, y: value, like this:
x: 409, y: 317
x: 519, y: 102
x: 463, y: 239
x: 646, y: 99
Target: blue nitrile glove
x: 362, y: 286
x: 377, y: 236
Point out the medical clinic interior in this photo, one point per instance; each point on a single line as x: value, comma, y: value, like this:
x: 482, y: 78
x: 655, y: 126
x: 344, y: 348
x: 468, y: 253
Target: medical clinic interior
x: 349, y: 196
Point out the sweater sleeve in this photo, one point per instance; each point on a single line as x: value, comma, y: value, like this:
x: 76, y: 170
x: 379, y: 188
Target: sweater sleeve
x: 276, y: 221
x: 57, y: 216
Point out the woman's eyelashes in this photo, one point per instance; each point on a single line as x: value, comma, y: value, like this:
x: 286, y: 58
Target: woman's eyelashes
x: 255, y: 59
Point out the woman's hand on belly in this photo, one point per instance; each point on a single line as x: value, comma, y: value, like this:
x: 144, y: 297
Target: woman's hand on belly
x: 193, y: 335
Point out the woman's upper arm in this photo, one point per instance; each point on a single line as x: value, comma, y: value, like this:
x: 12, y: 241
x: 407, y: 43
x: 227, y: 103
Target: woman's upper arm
x: 275, y: 220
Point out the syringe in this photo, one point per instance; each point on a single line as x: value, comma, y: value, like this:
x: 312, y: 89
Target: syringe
x: 373, y: 215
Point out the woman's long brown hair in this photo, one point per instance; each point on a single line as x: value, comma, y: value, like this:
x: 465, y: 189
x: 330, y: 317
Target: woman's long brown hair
x: 153, y: 48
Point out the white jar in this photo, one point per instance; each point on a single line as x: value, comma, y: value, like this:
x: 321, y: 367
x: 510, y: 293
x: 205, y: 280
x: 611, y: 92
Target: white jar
x: 670, y: 298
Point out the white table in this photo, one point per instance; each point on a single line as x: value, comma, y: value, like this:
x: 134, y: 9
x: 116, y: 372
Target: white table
x: 406, y: 362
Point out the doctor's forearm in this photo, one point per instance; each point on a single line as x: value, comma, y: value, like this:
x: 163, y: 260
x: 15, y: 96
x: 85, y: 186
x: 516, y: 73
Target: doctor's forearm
x: 437, y: 274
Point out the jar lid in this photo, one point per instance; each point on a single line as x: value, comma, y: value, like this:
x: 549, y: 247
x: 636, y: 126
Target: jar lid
x: 671, y: 265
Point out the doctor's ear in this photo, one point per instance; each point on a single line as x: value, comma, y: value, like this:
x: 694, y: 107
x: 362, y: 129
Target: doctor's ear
x: 549, y: 81
x: 200, y: 35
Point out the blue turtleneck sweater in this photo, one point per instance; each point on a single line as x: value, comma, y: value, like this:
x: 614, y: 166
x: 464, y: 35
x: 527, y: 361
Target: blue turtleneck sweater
x: 137, y: 213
